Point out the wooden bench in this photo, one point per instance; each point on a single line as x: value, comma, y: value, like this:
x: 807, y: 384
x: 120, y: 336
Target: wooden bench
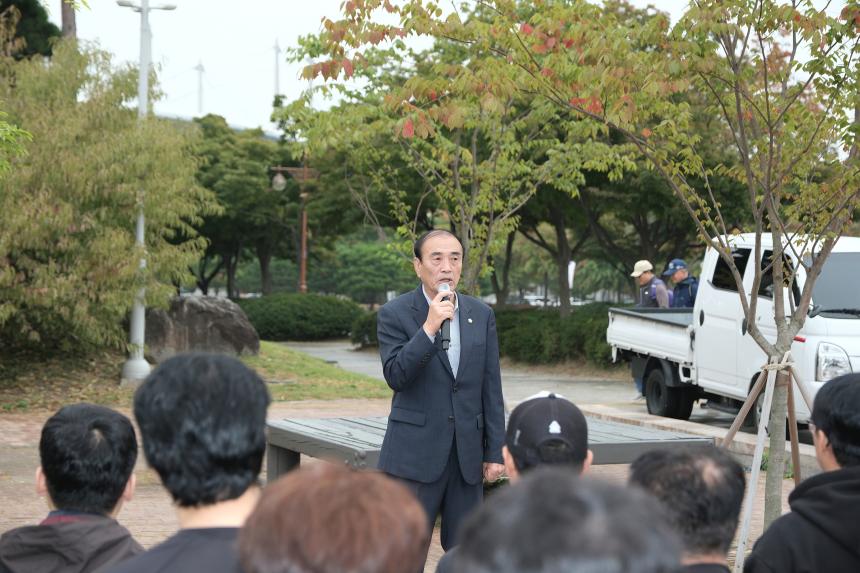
x: 357, y: 441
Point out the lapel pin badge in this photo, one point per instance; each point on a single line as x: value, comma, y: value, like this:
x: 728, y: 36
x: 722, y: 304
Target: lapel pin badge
x: 470, y: 321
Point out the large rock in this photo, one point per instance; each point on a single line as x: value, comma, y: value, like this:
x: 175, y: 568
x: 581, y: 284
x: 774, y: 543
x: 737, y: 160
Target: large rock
x: 199, y: 324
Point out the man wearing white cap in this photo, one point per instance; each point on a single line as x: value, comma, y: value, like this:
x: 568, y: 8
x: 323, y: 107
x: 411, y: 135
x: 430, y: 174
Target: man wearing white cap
x: 652, y: 294
x: 652, y: 290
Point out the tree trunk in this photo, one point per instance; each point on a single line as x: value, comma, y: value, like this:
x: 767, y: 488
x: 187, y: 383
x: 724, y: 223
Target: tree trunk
x: 562, y: 262
x: 67, y: 11
x: 776, y: 453
x: 203, y: 279
x: 502, y: 287
x: 264, y: 256
x: 231, y: 261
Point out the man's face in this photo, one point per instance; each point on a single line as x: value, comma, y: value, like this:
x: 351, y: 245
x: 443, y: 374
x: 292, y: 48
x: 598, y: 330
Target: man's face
x: 679, y: 275
x: 645, y: 278
x: 441, y: 262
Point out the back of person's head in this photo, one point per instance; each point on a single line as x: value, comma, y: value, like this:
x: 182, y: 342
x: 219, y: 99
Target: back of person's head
x: 330, y: 519
x: 202, y: 418
x: 701, y: 491
x: 87, y: 456
x: 836, y: 413
x: 553, y: 522
x: 547, y: 430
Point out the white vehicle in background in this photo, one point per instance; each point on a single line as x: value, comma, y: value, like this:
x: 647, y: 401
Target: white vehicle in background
x: 704, y: 352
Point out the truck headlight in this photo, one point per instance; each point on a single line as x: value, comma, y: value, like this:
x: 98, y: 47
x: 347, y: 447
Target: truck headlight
x: 831, y: 362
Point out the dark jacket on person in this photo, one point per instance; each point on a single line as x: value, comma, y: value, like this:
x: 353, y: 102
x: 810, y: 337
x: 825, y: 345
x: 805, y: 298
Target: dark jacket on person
x: 684, y: 293
x: 432, y: 410
x: 651, y: 294
x: 821, y: 533
x: 66, y: 543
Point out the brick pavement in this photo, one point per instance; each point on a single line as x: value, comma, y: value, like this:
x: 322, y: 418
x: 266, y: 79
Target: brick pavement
x: 150, y: 515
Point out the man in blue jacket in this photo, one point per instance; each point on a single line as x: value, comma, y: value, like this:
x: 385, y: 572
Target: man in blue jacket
x: 686, y: 286
x: 447, y: 425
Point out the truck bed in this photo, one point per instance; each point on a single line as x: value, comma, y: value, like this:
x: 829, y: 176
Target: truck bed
x: 659, y: 332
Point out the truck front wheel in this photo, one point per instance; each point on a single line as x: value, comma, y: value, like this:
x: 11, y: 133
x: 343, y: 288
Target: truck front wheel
x: 665, y: 400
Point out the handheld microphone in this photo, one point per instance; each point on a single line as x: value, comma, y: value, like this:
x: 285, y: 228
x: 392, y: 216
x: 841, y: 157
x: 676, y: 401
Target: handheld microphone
x: 446, y: 324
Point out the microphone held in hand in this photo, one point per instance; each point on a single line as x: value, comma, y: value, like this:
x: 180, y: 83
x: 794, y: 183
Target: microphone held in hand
x: 446, y: 324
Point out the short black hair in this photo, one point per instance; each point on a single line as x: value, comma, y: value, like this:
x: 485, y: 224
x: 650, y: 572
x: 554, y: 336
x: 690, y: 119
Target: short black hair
x: 87, y: 454
x: 202, y: 418
x: 419, y: 243
x: 701, y: 491
x: 836, y: 412
x: 554, y: 522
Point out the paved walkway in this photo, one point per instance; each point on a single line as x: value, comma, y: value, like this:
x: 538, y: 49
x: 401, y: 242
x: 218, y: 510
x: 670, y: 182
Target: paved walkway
x: 150, y: 515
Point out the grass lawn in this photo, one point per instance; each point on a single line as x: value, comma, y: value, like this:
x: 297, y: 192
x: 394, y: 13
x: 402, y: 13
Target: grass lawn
x: 31, y: 383
x: 293, y: 375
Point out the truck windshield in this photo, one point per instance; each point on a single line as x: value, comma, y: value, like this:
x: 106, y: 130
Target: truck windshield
x: 836, y: 293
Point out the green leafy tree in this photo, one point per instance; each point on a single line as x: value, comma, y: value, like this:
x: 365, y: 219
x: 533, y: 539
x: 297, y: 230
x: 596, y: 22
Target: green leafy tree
x: 236, y: 167
x: 35, y: 32
x: 368, y: 270
x: 780, y: 76
x: 68, y: 262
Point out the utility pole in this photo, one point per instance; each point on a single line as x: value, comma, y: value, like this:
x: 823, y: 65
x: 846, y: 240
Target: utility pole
x: 277, y: 68
x: 199, y: 69
x: 136, y: 368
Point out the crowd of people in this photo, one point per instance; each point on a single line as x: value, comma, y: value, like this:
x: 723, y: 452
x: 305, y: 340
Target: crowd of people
x: 202, y: 424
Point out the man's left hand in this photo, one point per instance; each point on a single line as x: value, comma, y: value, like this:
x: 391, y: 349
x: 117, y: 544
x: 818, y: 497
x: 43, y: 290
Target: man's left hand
x: 493, y: 472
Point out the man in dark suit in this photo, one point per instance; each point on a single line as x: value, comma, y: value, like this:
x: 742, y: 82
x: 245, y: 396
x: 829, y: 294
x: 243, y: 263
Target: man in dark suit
x: 447, y: 425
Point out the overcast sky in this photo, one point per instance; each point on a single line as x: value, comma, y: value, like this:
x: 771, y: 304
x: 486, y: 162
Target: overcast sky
x: 233, y: 40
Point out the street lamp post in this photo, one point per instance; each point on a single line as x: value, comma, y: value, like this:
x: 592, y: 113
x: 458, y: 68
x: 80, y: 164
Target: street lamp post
x: 136, y: 368
x: 303, y: 174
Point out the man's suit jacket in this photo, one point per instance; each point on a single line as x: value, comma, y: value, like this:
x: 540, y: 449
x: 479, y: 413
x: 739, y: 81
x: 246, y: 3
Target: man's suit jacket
x: 430, y: 407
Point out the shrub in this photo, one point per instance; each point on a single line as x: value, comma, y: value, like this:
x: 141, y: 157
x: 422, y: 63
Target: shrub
x: 364, y: 330
x: 535, y: 335
x: 293, y: 316
x: 541, y: 336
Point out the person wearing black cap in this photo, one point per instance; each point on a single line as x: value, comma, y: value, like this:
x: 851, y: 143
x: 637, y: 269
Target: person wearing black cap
x: 686, y: 285
x: 544, y: 430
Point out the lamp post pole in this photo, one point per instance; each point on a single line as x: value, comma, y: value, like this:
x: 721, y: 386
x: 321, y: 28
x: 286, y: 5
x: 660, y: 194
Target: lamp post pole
x: 303, y: 174
x: 136, y: 368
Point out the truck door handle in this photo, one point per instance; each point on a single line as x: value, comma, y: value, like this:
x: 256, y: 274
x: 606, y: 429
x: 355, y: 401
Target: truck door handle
x: 701, y: 317
x: 744, y: 325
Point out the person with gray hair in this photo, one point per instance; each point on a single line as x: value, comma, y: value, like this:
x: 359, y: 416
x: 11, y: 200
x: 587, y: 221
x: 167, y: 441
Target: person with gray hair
x: 553, y: 522
x: 702, y: 491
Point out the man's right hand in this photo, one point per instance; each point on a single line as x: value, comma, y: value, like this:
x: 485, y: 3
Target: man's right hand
x: 440, y: 310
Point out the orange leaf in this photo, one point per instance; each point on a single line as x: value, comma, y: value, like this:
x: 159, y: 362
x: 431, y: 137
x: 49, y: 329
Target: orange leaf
x: 408, y: 130
x: 594, y: 106
x: 646, y: 133
x: 526, y: 29
x: 347, y: 68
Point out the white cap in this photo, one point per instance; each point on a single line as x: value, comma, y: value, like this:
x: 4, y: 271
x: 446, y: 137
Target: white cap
x: 641, y: 267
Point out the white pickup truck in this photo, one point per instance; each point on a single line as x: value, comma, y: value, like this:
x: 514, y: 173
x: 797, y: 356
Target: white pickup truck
x: 704, y: 352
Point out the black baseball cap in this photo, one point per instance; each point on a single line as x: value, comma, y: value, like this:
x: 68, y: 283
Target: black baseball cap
x: 547, y: 430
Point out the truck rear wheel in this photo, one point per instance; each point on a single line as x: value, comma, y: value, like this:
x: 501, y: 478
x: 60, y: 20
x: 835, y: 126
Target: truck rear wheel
x: 665, y: 400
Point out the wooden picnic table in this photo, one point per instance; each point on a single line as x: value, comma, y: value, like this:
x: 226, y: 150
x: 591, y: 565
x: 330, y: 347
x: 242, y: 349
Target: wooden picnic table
x: 357, y: 441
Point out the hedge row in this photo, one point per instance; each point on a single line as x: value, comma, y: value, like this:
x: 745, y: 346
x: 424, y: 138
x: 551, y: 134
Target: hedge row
x: 293, y: 316
x: 541, y: 336
x: 532, y: 335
